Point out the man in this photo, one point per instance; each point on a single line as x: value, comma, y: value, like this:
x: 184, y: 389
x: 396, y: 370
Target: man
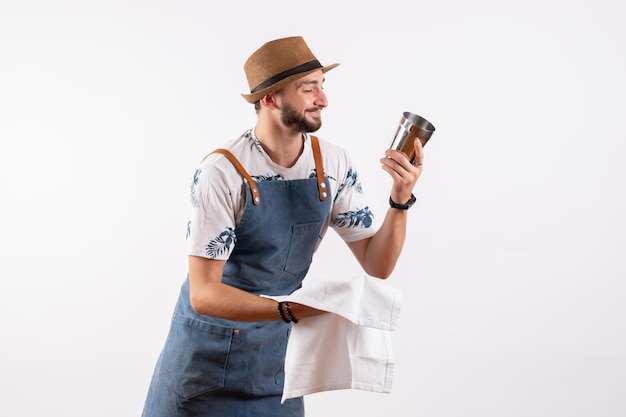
x: 260, y: 207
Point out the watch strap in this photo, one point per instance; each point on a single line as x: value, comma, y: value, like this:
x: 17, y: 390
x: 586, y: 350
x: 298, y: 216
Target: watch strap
x: 404, y: 206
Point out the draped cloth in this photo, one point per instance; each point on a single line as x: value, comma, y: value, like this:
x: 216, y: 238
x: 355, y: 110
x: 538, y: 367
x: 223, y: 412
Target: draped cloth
x: 348, y: 348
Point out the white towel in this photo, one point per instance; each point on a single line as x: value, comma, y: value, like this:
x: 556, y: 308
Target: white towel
x: 349, y: 348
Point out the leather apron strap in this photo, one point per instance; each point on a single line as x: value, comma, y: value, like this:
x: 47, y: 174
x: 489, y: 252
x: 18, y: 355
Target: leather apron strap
x: 319, y: 168
x: 256, y: 198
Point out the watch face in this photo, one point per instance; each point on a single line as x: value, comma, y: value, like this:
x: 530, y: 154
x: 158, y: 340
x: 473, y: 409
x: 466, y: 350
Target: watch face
x: 411, y: 201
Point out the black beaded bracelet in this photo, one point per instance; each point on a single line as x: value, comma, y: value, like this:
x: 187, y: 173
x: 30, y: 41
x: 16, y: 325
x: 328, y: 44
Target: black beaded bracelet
x: 289, y: 315
x: 281, y: 313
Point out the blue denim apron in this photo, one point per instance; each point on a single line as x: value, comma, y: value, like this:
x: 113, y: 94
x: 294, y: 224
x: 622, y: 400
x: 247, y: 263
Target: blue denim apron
x: 211, y: 366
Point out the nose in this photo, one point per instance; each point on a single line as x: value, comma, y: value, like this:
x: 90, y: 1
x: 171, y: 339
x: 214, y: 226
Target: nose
x: 321, y: 100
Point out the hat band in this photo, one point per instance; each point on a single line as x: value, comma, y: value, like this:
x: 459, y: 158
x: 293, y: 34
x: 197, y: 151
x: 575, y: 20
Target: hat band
x: 311, y: 65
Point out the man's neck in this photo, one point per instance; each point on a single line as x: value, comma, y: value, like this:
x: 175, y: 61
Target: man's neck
x: 283, y: 146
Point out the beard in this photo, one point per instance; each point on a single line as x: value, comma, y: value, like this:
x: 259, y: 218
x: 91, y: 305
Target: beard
x: 291, y: 118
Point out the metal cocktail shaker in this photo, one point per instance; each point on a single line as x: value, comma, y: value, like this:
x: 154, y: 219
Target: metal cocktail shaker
x: 411, y: 126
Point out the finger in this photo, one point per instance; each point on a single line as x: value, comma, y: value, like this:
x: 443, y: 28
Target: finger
x: 398, y: 157
x: 419, y: 152
x: 396, y: 161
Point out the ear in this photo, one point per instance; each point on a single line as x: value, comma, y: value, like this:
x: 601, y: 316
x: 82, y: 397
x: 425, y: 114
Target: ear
x: 269, y: 101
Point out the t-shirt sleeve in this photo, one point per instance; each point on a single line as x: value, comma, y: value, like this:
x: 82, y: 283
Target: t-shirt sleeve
x: 351, y: 217
x: 212, y: 215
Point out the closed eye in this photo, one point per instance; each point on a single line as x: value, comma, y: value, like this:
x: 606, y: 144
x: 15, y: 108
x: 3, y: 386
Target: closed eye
x: 307, y: 86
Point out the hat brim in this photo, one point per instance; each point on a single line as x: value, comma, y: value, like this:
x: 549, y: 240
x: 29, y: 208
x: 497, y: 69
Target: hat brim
x: 254, y: 97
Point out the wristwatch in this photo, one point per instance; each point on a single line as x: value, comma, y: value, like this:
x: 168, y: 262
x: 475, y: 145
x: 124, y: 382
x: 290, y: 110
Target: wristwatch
x: 404, y: 206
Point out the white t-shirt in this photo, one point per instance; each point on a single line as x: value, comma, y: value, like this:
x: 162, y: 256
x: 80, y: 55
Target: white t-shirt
x: 218, y: 200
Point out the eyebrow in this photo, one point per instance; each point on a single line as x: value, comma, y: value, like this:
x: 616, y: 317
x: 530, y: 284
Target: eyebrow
x: 310, y: 82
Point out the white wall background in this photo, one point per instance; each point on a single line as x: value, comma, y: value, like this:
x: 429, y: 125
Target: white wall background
x: 513, y: 272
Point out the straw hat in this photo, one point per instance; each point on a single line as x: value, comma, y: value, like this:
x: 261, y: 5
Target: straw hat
x: 277, y: 63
